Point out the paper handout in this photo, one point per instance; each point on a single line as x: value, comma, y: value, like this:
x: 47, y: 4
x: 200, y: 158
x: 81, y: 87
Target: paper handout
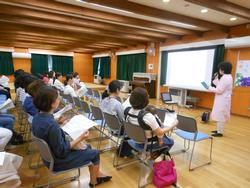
x: 8, y: 104
x: 78, y: 125
x: 58, y: 114
x: 2, y: 155
x: 170, y: 118
x: 126, y: 103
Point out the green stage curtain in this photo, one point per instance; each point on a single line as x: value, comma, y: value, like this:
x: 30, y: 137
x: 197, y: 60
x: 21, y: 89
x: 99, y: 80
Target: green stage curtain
x: 128, y: 64
x: 6, y: 63
x: 62, y: 64
x: 39, y: 63
x: 164, y: 63
x: 218, y: 57
x: 105, y: 67
x: 95, y: 65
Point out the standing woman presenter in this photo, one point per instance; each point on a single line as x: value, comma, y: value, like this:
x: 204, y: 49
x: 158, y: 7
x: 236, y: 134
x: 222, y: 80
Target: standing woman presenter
x: 223, y: 92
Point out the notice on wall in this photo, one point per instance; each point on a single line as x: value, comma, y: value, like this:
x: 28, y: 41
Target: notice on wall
x: 243, y: 73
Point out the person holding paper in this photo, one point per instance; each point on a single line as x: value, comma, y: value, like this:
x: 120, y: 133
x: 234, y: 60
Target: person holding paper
x: 69, y: 86
x: 222, y: 101
x: 139, y: 101
x: 109, y: 103
x: 57, y: 82
x: 66, y: 153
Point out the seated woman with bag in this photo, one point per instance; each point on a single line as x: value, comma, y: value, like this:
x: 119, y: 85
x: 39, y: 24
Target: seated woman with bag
x: 138, y: 116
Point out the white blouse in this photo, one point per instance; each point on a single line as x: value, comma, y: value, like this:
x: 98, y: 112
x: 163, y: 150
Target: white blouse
x: 59, y: 85
x: 69, y: 90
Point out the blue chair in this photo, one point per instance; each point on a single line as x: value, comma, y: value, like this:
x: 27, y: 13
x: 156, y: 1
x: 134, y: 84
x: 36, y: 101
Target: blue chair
x: 187, y: 129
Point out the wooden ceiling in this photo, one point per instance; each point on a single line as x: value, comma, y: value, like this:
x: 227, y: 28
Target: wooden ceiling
x: 53, y: 25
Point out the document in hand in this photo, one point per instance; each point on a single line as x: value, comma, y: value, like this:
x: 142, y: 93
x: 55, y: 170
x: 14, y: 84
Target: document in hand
x: 4, y: 81
x: 82, y: 90
x: 2, y: 155
x: 126, y: 103
x: 205, y: 85
x: 58, y: 114
x: 8, y: 104
x: 77, y: 125
x: 170, y: 118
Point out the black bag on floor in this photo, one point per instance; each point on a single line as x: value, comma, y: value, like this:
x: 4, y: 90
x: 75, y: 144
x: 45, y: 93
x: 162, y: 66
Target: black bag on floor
x: 205, y: 117
x: 126, y: 149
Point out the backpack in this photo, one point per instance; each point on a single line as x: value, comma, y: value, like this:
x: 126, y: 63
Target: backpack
x: 205, y: 117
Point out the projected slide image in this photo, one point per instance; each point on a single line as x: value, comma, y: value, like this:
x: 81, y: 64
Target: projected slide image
x: 187, y: 69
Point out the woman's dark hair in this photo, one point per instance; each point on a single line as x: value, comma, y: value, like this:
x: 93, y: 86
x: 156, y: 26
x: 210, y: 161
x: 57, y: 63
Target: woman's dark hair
x: 28, y: 79
x: 139, y: 98
x: 45, y: 74
x: 112, y: 88
x: 75, y: 74
x: 226, y: 67
x: 45, y: 97
x: 51, y: 74
x: 68, y: 77
x: 18, y: 72
x: 19, y: 80
x: 58, y: 74
x: 34, y: 87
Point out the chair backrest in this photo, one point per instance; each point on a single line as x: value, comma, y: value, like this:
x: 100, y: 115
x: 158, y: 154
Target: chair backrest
x: 112, y: 121
x: 161, y: 114
x: 44, y: 149
x: 69, y: 98
x: 77, y: 102
x: 96, y: 94
x: 85, y: 107
x: 187, y: 124
x: 135, y: 132
x: 96, y: 112
x: 89, y: 92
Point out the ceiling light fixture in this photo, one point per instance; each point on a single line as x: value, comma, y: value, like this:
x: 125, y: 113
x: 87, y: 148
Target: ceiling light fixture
x: 204, y: 10
x: 233, y: 19
x: 165, y: 1
x: 182, y: 24
x: 106, y: 7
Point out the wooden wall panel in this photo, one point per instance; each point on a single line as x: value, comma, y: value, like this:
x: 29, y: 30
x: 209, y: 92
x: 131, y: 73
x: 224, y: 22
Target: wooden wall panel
x: 83, y: 65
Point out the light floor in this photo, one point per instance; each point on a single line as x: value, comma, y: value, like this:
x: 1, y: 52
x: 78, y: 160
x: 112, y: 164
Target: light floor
x: 230, y: 167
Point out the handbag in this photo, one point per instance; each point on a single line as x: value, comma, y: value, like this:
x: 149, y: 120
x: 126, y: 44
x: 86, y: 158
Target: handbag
x: 164, y: 173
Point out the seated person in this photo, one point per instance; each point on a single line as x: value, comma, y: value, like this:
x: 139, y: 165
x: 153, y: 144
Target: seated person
x: 77, y: 80
x: 28, y: 104
x: 5, y: 136
x: 66, y: 153
x: 57, y: 82
x: 139, y: 101
x: 51, y: 76
x: 109, y: 103
x: 45, y: 78
x: 69, y: 86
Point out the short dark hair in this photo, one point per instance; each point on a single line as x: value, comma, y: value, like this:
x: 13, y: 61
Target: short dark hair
x: 112, y: 88
x: 58, y: 74
x: 225, y: 66
x: 139, y: 98
x: 34, y: 86
x: 68, y: 77
x: 45, y: 97
x: 51, y: 74
x: 28, y: 79
x: 75, y: 74
x: 18, y: 72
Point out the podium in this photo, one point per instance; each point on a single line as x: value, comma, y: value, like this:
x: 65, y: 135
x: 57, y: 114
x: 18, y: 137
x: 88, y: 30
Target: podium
x: 145, y: 80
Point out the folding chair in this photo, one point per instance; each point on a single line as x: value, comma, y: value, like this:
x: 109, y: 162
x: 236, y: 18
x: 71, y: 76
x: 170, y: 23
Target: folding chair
x: 161, y: 114
x: 115, y: 130
x: 46, y: 155
x: 137, y: 135
x: 98, y: 117
x: 86, y: 109
x: 187, y: 129
x: 96, y: 95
